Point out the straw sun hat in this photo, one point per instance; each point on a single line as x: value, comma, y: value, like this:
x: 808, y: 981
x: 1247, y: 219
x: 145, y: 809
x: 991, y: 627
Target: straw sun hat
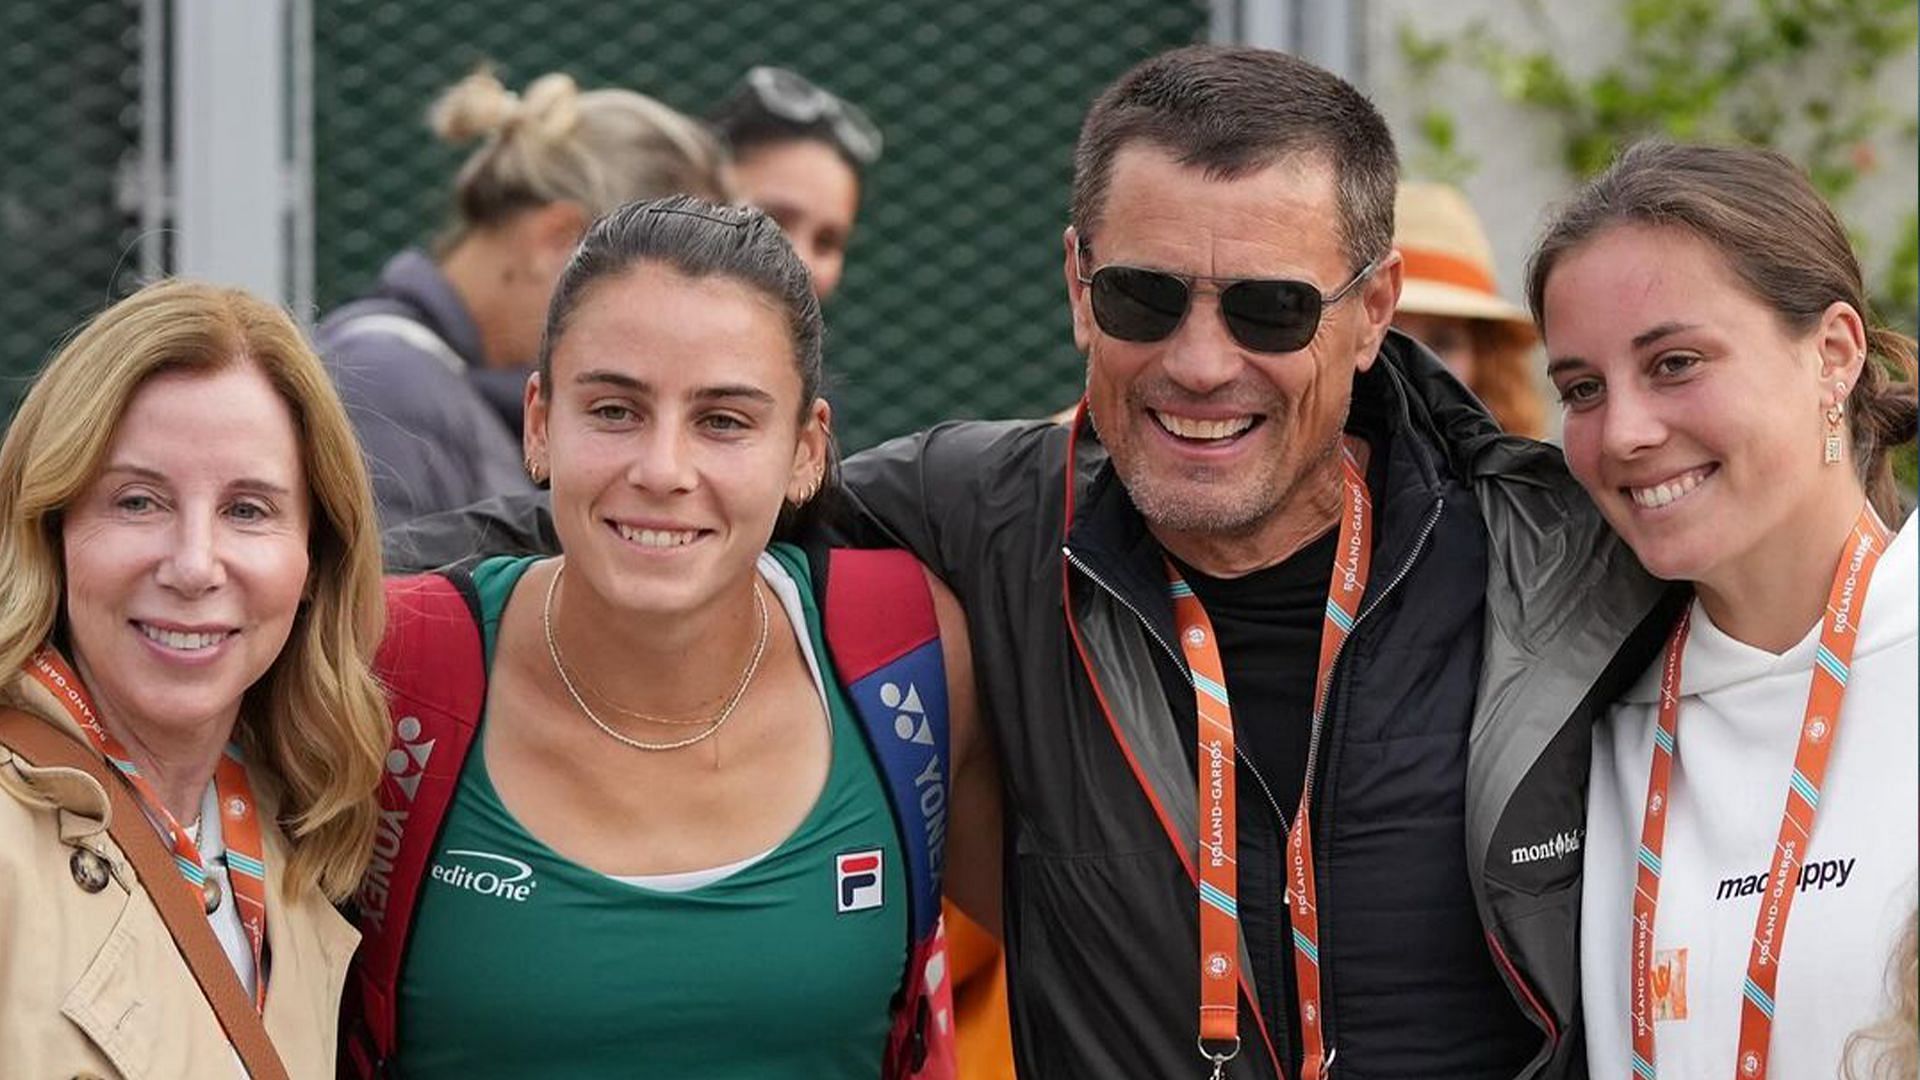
x: 1449, y: 264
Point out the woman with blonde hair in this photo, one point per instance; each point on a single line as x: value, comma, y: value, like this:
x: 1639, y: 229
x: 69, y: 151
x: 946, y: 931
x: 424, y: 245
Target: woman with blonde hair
x: 1751, y: 845
x: 1890, y: 1049
x: 189, y: 590
x: 431, y: 362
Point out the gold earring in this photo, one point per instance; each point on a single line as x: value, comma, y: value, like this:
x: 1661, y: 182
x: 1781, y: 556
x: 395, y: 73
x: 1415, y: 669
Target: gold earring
x: 812, y: 489
x: 1834, y: 443
x: 533, y: 470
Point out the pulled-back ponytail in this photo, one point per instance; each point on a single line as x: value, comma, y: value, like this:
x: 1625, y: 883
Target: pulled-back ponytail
x: 556, y: 143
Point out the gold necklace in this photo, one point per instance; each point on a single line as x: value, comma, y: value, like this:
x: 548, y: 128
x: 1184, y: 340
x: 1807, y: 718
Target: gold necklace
x: 719, y: 719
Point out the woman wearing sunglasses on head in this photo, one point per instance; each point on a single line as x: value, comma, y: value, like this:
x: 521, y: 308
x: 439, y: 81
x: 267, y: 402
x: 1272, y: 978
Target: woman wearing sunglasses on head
x: 800, y: 154
x: 675, y: 847
x: 189, y: 591
x: 1750, y: 854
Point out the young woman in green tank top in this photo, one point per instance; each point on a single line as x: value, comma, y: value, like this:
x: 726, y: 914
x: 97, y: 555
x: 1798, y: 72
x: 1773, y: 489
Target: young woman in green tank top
x: 642, y: 871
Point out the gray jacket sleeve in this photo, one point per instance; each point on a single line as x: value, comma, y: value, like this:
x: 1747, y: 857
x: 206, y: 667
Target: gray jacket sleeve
x: 390, y: 393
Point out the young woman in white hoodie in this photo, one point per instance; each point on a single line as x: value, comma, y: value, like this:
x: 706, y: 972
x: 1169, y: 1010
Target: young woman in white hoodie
x: 1750, y: 859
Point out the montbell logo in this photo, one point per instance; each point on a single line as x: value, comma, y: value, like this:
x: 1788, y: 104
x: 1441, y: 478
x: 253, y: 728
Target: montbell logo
x: 1562, y: 845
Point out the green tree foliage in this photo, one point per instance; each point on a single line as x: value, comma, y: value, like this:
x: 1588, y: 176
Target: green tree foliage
x: 1795, y: 75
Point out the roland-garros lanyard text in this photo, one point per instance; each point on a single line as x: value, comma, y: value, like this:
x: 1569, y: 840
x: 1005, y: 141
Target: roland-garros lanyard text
x: 239, y: 824
x: 1840, y: 625
x: 1219, y: 838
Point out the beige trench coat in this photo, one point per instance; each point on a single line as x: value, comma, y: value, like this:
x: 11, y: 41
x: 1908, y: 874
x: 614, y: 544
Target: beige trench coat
x: 91, y: 984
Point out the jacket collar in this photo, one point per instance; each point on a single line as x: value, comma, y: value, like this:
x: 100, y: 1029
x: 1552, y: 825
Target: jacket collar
x: 413, y: 279
x: 1423, y: 427
x: 81, y: 794
x: 25, y: 692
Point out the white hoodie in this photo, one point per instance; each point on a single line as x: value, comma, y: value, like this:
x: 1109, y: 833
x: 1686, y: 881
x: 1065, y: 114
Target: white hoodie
x: 1740, y: 715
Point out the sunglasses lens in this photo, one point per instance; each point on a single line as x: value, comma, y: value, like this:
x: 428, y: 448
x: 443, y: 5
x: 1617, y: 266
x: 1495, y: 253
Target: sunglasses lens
x: 858, y: 133
x: 1137, y: 305
x: 1272, y: 316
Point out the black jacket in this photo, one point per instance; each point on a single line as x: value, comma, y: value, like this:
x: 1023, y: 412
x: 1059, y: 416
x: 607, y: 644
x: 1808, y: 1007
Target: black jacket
x: 1443, y: 953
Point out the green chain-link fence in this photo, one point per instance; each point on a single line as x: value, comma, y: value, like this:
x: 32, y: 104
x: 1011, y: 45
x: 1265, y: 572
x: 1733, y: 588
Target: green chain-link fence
x: 69, y: 131
x: 952, y: 304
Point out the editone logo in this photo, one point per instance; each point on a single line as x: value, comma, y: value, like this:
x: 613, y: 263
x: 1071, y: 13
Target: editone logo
x: 858, y: 880
x: 487, y: 874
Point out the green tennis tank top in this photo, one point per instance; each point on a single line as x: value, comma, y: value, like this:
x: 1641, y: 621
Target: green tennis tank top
x: 523, y: 963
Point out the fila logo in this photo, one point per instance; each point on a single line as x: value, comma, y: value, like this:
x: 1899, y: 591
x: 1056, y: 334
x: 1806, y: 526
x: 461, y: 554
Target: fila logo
x: 859, y: 880
x: 408, y: 761
x: 905, y: 724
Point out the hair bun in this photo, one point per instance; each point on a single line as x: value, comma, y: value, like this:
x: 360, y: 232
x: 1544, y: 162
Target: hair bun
x: 551, y: 106
x: 474, y: 108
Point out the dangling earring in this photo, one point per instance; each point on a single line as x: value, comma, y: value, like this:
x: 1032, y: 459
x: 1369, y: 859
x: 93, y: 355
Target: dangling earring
x: 1834, y: 444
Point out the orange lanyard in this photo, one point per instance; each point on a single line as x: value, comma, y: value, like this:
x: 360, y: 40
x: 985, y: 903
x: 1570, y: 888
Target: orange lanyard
x: 1219, y: 839
x: 239, y: 825
x: 1821, y: 722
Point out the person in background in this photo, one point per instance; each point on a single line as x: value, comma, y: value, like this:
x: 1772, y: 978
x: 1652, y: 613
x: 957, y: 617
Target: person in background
x: 801, y: 155
x: 431, y: 362
x: 1730, y: 406
x: 190, y: 588
x: 1450, y: 302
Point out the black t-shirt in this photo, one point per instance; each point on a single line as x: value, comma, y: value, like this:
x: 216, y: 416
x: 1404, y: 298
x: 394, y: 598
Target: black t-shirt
x: 1268, y: 625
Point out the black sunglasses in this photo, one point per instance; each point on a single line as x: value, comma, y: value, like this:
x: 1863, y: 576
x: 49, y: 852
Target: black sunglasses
x: 1269, y: 316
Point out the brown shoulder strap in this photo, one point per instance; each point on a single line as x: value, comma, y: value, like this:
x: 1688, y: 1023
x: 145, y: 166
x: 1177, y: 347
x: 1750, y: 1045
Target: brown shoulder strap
x: 178, y: 903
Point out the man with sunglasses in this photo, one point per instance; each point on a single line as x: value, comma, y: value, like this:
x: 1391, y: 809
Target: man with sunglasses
x: 1255, y: 567
x: 1230, y: 625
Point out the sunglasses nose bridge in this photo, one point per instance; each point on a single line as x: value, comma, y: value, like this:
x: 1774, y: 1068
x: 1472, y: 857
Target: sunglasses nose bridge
x: 1202, y: 353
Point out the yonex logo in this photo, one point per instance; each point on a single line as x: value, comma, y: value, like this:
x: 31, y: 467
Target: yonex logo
x: 911, y: 721
x: 859, y: 884
x: 408, y: 761
x: 406, y: 764
x: 494, y: 875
